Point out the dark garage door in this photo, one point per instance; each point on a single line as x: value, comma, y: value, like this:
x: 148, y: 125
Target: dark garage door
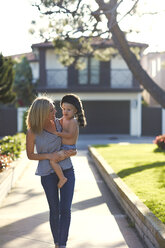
x: 107, y: 117
x: 151, y: 121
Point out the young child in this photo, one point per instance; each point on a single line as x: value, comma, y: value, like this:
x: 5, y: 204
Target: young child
x: 73, y: 117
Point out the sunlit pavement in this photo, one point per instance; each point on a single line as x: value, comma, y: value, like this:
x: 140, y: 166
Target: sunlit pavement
x: 85, y: 140
x: 97, y: 219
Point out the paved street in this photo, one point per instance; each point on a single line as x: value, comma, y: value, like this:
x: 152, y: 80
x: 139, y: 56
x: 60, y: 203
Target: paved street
x: 97, y: 219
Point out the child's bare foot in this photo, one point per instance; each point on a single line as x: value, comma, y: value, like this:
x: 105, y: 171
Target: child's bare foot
x: 62, y: 182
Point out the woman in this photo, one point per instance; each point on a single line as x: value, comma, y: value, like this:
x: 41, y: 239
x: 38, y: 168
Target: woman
x: 41, y: 123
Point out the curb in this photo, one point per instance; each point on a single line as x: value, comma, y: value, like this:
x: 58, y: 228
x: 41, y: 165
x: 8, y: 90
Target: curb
x: 149, y: 227
x: 9, y: 177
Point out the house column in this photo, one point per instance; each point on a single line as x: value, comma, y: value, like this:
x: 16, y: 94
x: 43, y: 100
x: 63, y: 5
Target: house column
x: 163, y: 121
x: 135, y: 116
x: 20, y: 114
x: 42, y: 67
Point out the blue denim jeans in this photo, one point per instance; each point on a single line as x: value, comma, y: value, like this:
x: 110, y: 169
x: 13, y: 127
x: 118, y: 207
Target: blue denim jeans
x: 59, y: 204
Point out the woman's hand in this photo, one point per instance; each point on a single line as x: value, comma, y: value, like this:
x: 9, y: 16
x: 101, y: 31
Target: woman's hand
x: 57, y: 133
x: 70, y: 153
x: 56, y: 156
x: 61, y: 155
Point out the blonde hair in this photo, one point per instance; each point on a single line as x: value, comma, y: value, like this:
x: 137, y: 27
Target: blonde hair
x: 38, y: 113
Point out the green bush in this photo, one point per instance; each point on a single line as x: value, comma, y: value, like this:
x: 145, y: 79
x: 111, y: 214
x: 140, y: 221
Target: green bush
x: 13, y: 145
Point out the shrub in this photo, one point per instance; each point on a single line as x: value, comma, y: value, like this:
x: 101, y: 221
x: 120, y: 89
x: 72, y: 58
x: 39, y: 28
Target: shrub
x: 10, y: 149
x: 160, y: 141
x: 5, y: 161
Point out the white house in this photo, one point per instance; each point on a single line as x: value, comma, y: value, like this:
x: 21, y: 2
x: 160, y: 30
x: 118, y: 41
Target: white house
x: 110, y: 94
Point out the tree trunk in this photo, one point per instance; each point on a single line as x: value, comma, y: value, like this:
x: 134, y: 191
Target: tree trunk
x: 139, y: 73
x: 122, y: 45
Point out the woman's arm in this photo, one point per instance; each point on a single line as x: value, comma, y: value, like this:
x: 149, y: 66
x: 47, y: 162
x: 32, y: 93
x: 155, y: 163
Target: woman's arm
x: 64, y: 134
x: 30, y: 143
x: 63, y: 154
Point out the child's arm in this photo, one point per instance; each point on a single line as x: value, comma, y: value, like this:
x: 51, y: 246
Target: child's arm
x: 70, y: 132
x: 65, y: 134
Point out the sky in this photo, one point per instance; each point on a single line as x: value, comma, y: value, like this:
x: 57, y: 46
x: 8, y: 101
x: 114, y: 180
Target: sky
x: 16, y: 17
x: 15, y: 22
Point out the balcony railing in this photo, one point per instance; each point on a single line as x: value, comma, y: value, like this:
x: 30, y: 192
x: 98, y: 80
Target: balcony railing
x: 57, y: 78
x: 121, y: 78
x: 85, y: 79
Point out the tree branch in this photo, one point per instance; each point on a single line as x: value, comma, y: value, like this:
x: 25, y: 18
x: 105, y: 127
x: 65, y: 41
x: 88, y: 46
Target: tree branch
x: 134, y: 6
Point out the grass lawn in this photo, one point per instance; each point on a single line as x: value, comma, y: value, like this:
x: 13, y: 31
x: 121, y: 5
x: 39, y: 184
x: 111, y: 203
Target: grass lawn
x: 142, y: 168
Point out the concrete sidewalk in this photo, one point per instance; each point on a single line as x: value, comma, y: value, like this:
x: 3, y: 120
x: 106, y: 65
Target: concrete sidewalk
x: 97, y: 220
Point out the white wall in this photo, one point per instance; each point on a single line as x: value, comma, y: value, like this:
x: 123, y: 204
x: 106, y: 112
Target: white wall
x: 55, y: 78
x: 154, y: 63
x: 52, y: 61
x: 35, y: 70
x: 121, y: 76
x: 118, y: 63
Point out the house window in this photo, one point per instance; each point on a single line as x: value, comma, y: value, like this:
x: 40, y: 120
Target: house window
x: 57, y: 78
x: 121, y: 76
x: 91, y: 73
x: 83, y: 74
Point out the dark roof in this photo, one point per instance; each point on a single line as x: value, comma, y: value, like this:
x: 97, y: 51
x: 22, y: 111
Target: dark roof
x: 87, y: 89
x: 96, y: 42
x: 43, y: 44
x: 30, y: 56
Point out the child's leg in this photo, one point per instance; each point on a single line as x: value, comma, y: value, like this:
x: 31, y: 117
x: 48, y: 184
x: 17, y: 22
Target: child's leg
x: 59, y: 172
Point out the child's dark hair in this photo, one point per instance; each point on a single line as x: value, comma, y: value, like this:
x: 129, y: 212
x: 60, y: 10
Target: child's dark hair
x: 75, y: 101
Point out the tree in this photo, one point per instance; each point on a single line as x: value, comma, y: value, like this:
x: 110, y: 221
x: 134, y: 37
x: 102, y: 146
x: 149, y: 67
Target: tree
x: 23, y: 86
x: 6, y: 80
x: 77, y: 18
